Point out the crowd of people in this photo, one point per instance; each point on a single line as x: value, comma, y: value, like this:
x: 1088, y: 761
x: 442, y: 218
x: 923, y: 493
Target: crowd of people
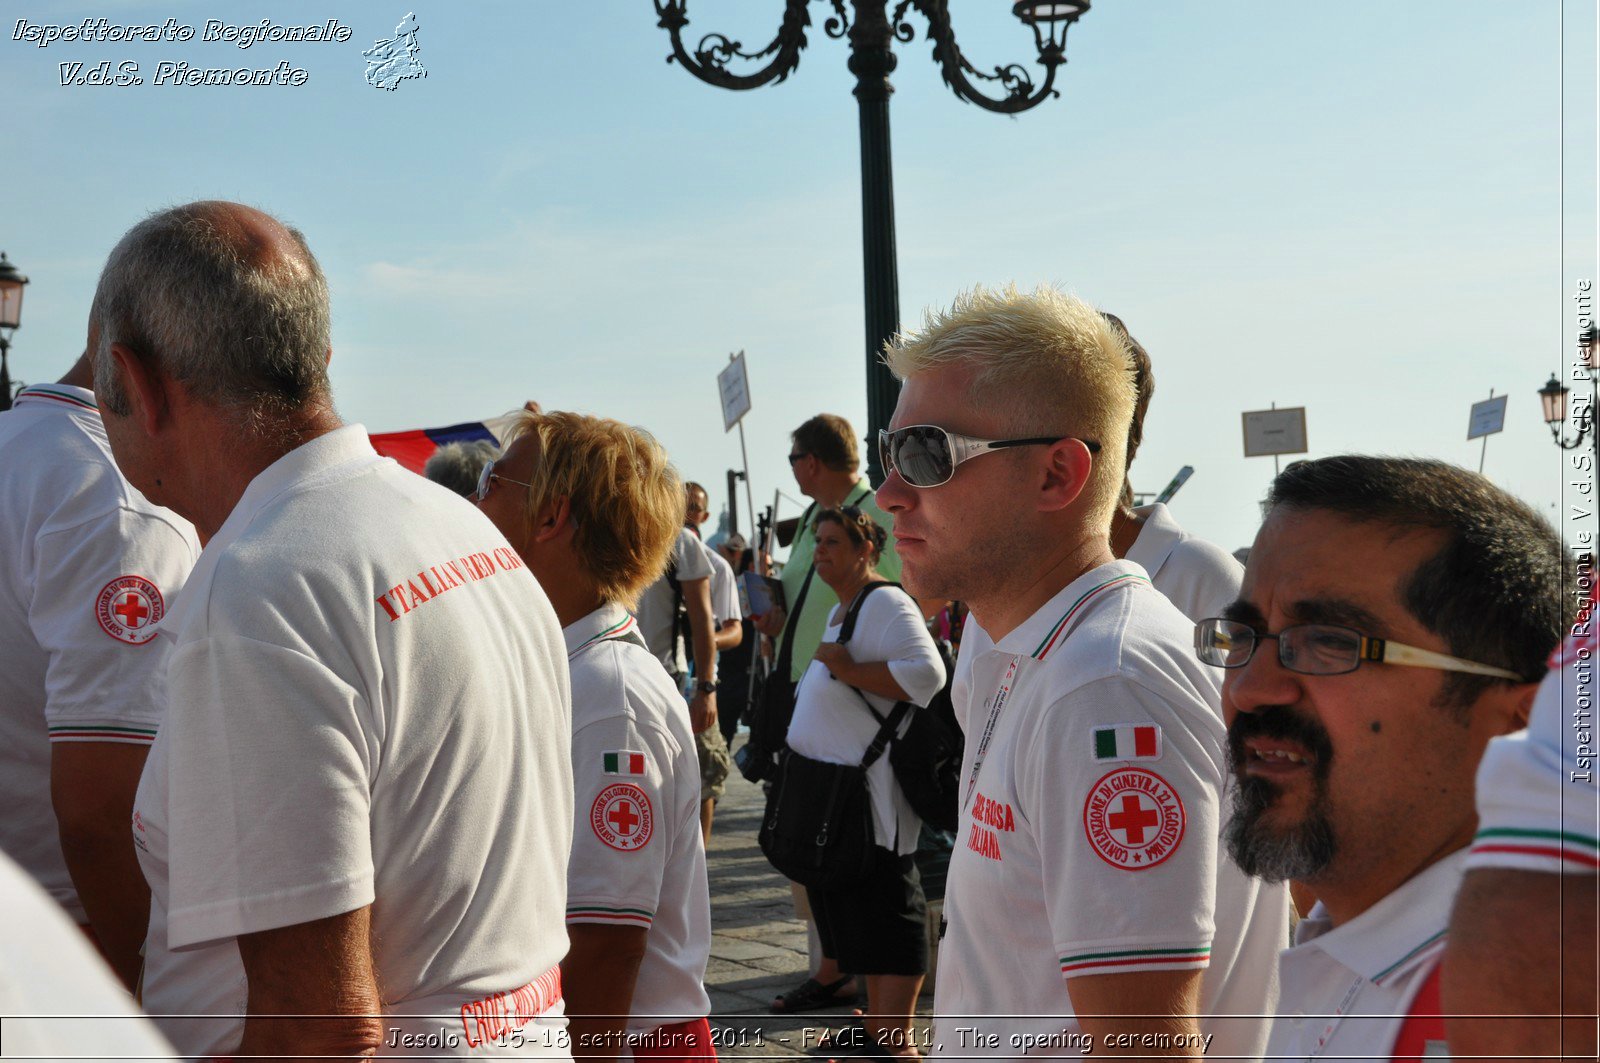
x: 308, y: 756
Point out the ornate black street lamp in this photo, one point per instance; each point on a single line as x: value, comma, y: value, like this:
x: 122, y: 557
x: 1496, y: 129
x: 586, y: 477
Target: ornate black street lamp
x: 11, y: 284
x: 872, y: 32
x: 1553, y: 397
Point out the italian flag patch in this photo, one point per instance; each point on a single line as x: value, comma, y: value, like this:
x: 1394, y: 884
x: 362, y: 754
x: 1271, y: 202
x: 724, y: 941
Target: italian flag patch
x: 1130, y: 741
x: 623, y: 762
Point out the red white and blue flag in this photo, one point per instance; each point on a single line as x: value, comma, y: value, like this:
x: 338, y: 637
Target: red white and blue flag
x: 413, y: 449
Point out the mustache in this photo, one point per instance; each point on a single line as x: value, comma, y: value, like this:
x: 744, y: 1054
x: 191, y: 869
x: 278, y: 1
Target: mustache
x: 1284, y: 724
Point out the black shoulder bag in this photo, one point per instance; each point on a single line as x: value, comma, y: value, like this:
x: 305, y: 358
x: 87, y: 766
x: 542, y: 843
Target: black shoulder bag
x: 927, y: 758
x: 817, y: 829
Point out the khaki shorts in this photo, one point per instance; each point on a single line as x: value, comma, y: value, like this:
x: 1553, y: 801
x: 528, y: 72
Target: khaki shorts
x: 715, y: 763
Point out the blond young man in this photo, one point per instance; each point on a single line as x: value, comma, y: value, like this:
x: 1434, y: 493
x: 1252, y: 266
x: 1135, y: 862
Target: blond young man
x: 593, y: 509
x: 1083, y: 894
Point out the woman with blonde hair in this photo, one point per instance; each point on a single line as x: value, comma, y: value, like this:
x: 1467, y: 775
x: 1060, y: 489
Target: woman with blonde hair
x: 593, y: 508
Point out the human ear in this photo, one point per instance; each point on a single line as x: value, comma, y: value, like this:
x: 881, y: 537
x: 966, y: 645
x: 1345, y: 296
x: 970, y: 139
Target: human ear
x: 1068, y: 464
x: 145, y: 389
x: 1521, y: 708
x: 553, y: 520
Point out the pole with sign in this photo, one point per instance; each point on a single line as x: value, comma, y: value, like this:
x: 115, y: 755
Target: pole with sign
x: 1488, y: 417
x: 1275, y: 432
x: 733, y: 385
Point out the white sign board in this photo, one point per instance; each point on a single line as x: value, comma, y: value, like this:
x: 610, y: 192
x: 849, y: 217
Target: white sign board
x: 1269, y: 432
x: 734, y: 385
x: 1488, y: 417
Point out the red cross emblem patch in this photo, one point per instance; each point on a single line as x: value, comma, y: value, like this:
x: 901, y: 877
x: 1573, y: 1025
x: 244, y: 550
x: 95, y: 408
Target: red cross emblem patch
x: 621, y: 817
x: 1133, y: 819
x: 129, y: 608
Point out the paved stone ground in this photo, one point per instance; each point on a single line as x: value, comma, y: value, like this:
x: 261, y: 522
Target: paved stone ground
x: 758, y: 946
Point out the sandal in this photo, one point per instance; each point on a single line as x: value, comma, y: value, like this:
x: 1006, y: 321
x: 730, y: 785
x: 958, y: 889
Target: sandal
x: 811, y: 995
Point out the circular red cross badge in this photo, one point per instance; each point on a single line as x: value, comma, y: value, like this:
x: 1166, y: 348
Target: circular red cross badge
x: 128, y: 609
x: 1133, y: 819
x: 621, y: 817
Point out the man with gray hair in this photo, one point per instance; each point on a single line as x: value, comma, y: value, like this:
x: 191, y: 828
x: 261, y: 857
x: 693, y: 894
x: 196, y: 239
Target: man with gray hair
x: 458, y: 465
x: 1084, y: 907
x: 350, y: 787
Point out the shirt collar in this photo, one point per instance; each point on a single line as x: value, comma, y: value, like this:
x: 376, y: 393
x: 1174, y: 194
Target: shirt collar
x: 1389, y: 939
x: 1158, y: 535
x: 60, y: 395
x: 610, y: 621
x: 1041, y: 633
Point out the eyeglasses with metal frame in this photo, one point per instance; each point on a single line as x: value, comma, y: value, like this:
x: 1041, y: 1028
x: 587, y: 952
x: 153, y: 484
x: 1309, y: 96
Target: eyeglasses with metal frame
x: 926, y: 455
x: 488, y: 476
x: 1322, y: 649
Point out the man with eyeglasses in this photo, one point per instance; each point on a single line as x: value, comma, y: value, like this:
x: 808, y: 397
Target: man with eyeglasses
x: 1395, y: 616
x: 1085, y: 908
x: 356, y: 815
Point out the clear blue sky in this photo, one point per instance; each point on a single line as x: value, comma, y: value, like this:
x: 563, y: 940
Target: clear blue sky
x: 1356, y: 207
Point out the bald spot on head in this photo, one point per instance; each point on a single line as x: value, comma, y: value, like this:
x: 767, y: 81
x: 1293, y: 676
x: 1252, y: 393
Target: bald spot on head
x: 262, y: 241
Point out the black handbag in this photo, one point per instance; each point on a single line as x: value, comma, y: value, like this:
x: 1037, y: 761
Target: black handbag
x: 817, y: 829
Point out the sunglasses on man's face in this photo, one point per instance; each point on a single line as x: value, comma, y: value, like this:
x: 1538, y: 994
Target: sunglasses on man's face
x: 926, y: 455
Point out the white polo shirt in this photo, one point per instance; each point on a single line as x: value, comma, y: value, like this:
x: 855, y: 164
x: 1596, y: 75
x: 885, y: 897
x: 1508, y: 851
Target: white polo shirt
x: 74, y: 1007
x: 656, y: 605
x: 1092, y: 781
x: 1346, y: 990
x: 88, y: 567
x: 369, y: 707
x: 724, y: 588
x: 637, y: 856
x: 1538, y: 800
x: 1200, y: 577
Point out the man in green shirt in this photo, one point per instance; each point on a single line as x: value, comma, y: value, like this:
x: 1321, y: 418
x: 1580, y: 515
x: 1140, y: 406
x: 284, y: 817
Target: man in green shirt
x: 826, y: 463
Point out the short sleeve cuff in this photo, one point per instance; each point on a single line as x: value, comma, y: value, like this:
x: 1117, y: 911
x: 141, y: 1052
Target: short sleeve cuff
x: 127, y: 732
x: 610, y: 914
x: 1132, y: 959
x: 1552, y: 851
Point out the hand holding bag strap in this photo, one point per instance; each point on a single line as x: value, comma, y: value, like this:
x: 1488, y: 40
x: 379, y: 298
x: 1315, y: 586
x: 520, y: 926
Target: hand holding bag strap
x: 781, y: 667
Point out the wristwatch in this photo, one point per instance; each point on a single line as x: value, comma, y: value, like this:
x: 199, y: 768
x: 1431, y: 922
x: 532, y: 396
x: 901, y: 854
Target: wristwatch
x: 706, y: 686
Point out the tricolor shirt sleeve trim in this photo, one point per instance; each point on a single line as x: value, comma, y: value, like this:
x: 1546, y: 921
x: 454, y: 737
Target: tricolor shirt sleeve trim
x: 1551, y: 850
x: 1128, y: 961
x: 138, y: 736
x: 594, y: 913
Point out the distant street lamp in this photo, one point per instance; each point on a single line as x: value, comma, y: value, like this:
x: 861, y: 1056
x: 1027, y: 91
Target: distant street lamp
x: 1553, y: 397
x: 872, y: 33
x: 11, y: 283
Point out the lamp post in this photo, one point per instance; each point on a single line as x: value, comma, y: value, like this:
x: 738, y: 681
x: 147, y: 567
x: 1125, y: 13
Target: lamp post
x: 872, y: 31
x: 11, y: 284
x: 1553, y: 397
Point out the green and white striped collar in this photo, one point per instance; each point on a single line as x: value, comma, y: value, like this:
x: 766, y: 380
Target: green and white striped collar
x: 610, y: 621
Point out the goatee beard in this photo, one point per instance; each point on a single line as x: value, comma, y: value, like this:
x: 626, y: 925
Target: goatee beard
x: 1298, y: 851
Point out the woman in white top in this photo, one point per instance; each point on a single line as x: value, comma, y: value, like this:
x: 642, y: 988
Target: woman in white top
x: 876, y: 929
